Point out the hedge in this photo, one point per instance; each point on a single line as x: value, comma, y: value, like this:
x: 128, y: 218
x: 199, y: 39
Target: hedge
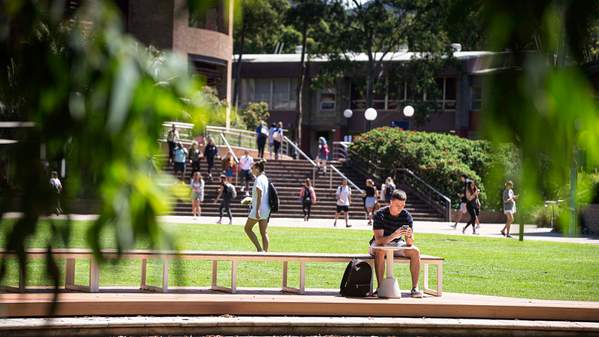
x: 440, y: 159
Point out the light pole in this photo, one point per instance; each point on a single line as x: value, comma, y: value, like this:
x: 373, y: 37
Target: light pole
x: 370, y: 115
x: 408, y: 111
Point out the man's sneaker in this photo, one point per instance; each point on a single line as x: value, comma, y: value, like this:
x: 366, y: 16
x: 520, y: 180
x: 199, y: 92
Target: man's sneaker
x: 219, y: 222
x: 416, y: 293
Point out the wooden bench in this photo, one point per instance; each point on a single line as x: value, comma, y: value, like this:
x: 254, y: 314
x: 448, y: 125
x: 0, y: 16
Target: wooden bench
x: 72, y: 255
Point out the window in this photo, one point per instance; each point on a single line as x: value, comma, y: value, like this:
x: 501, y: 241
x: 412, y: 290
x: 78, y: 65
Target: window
x: 327, y: 100
x: 278, y: 93
x: 358, y: 93
x: 449, y: 100
x: 212, y: 16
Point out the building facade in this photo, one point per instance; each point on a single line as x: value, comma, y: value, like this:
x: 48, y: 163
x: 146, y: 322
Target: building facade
x: 272, y: 78
x: 205, y: 38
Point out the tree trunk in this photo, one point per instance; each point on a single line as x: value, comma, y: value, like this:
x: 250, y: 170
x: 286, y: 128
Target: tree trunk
x: 238, y: 72
x: 370, y: 81
x: 300, y: 87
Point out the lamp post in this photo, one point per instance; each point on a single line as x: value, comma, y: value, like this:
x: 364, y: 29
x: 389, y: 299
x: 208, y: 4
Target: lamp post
x: 370, y: 115
x: 408, y: 111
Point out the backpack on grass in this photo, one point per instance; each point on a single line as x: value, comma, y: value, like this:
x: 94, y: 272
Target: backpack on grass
x: 356, y: 279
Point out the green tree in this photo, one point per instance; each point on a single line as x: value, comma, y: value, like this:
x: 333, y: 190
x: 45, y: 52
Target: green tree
x: 253, y: 113
x: 308, y: 17
x: 98, y: 99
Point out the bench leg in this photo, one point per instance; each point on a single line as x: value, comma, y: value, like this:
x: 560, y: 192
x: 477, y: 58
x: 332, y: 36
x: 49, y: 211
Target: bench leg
x: 215, y: 285
x: 94, y: 276
x: 233, y: 276
x: 144, y: 268
x: 439, y: 289
x: 302, y: 279
x: 144, y: 272
x: 439, y: 279
x: 425, y: 278
x: 165, y: 275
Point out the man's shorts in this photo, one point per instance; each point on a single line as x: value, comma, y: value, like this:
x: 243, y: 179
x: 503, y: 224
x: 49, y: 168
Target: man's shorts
x: 247, y: 175
x: 179, y: 167
x: 463, y: 208
x: 397, y: 253
x: 341, y: 208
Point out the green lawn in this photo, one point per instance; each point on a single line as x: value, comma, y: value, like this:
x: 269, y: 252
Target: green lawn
x: 474, y: 265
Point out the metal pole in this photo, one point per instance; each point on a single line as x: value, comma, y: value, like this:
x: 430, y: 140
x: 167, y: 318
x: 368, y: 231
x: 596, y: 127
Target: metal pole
x: 573, y: 181
x: 330, y: 178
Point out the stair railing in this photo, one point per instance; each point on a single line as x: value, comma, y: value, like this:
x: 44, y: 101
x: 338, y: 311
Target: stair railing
x: 334, y: 169
x: 304, y: 155
x: 237, y: 137
x: 426, y: 192
x: 230, y: 150
x: 340, y: 150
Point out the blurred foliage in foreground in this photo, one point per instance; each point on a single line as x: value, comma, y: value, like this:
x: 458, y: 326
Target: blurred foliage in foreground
x: 98, y: 99
x: 542, y: 102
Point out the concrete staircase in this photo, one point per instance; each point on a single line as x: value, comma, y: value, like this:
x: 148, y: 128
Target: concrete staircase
x: 288, y: 176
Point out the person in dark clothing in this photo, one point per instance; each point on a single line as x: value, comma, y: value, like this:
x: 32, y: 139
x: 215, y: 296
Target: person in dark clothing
x: 210, y: 152
x: 227, y: 191
x: 462, y: 194
x: 308, y: 197
x: 194, y: 157
x: 261, y: 137
x: 472, y: 193
x: 371, y: 194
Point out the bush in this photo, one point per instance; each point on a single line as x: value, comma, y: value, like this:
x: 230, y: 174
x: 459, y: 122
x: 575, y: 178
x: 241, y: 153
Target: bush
x: 440, y: 159
x: 253, y: 113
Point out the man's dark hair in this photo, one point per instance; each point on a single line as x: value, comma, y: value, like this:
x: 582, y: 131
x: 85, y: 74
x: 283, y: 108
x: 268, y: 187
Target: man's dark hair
x: 399, y: 195
x: 464, y: 176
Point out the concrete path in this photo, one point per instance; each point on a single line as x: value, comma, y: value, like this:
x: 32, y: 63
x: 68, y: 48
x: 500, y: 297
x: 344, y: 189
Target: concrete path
x: 532, y: 232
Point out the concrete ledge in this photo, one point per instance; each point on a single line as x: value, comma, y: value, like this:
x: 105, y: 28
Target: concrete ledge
x: 230, y: 325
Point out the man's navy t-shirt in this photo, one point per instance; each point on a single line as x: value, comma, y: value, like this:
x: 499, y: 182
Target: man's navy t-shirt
x: 389, y: 223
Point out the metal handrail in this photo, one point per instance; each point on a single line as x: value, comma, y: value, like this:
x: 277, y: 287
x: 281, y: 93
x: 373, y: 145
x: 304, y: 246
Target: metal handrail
x: 441, y: 195
x: 298, y: 150
x: 230, y: 149
x: 343, y: 177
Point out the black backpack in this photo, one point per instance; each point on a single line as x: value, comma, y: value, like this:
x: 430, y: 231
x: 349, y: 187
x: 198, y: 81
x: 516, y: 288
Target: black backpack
x: 356, y: 279
x: 273, y: 198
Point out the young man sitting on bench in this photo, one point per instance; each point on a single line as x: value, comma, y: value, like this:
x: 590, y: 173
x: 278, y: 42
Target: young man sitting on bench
x: 391, y: 224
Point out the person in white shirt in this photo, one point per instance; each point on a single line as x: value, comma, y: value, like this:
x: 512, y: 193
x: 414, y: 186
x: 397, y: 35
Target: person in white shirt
x: 260, y: 212
x: 245, y: 165
x: 343, y: 195
x: 57, y: 187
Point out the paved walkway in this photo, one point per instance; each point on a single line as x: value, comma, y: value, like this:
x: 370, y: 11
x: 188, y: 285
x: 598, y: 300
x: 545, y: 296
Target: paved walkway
x: 532, y: 232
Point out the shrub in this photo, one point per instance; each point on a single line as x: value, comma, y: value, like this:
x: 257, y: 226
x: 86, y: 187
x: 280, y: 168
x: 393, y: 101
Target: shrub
x: 440, y: 159
x: 253, y: 113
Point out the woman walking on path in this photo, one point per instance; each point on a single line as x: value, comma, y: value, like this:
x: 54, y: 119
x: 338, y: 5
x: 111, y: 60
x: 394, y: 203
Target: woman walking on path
x: 472, y: 193
x: 308, y: 197
x: 210, y: 151
x: 260, y: 212
x: 509, y: 207
x: 227, y: 191
x: 371, y: 195
x: 194, y: 157
x: 323, y: 154
x: 197, y: 193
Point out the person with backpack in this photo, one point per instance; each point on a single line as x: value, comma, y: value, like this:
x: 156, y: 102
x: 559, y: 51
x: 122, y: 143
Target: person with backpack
x: 261, y: 136
x: 308, y: 198
x: 277, y: 139
x: 387, y: 190
x: 261, y: 207
x: 391, y: 225
x: 227, y: 191
x: 472, y: 205
x: 323, y: 154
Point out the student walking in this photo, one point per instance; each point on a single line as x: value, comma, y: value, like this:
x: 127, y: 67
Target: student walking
x: 463, y: 201
x: 180, y: 155
x: 509, y: 207
x: 271, y: 144
x: 195, y: 155
x: 172, y: 138
x: 260, y: 212
x: 228, y: 193
x: 57, y: 189
x: 245, y: 165
x: 472, y: 193
x: 261, y: 137
x: 228, y: 166
x: 343, y: 195
x: 387, y: 190
x: 371, y: 195
x: 210, y: 152
x: 308, y: 198
x: 323, y: 154
x: 277, y: 139
x: 197, y: 193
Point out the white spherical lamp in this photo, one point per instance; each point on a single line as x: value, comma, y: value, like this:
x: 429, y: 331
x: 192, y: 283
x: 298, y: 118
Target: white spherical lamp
x: 408, y: 111
x: 370, y: 114
x: 347, y: 113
